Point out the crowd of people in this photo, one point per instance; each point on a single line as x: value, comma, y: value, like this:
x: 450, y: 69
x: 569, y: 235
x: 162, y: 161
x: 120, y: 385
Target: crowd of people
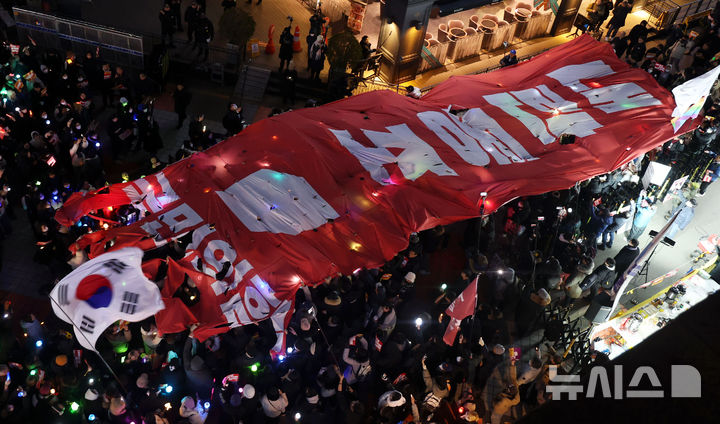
x: 361, y: 348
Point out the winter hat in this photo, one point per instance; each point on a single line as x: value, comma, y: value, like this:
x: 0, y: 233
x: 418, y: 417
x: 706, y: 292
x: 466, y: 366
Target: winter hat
x: 196, y: 364
x: 235, y: 399
x: 332, y: 299
x: 117, y: 406
x: 304, y: 324
x: 544, y: 295
x: 44, y: 389
x: 91, y: 394
x: 142, y: 381
x: 248, y: 391
x: 311, y: 396
x: 498, y: 349
x: 472, y: 417
x: 188, y: 402
x: 61, y: 360
x: 410, y: 277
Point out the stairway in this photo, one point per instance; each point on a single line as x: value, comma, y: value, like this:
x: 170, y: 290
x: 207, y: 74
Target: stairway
x: 250, y: 89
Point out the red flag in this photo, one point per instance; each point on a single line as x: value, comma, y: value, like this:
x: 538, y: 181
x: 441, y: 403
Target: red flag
x: 462, y: 307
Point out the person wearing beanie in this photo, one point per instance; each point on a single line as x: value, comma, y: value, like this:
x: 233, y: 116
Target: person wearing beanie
x: 198, y: 376
x: 498, y: 349
x: 332, y: 303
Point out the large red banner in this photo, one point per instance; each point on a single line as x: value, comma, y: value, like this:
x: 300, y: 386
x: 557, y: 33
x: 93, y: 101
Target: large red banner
x: 309, y: 193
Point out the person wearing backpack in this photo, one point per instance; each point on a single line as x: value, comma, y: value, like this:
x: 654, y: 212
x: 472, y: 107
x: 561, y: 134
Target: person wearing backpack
x: 603, y: 276
x: 357, y: 359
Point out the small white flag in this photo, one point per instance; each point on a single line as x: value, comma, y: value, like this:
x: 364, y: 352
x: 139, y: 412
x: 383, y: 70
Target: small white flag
x: 106, y: 289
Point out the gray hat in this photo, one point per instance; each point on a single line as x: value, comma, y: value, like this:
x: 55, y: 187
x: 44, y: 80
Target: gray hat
x: 498, y: 349
x: 248, y: 391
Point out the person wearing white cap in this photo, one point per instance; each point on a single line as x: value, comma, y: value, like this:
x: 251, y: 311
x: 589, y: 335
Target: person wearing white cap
x: 407, y: 287
x: 247, y: 404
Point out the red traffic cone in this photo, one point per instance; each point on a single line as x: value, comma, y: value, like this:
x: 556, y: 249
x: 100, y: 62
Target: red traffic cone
x: 270, y: 48
x: 296, y: 40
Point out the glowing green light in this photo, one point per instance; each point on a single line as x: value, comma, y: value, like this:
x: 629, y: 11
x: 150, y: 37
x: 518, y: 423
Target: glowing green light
x: 33, y: 372
x: 74, y: 407
x: 278, y: 176
x: 255, y: 367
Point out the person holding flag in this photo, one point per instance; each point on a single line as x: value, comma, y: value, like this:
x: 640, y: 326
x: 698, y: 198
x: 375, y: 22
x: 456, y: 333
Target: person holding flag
x: 106, y: 289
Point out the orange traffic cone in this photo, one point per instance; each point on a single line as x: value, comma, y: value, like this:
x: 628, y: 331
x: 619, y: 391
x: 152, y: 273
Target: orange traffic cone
x: 296, y: 40
x: 325, y: 28
x: 270, y: 48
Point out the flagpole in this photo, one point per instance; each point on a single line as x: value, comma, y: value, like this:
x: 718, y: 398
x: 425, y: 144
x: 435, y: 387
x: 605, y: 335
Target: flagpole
x: 474, y: 317
x: 483, y: 198
x: 122, y: 387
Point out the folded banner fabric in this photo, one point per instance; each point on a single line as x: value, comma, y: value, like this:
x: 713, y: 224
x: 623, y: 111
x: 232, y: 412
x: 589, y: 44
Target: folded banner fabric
x: 310, y: 193
x: 106, y: 289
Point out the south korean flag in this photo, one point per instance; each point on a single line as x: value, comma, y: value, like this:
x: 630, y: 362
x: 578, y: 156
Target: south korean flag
x: 106, y: 289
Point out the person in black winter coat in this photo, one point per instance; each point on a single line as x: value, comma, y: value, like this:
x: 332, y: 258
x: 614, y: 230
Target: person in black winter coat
x: 626, y: 256
x: 182, y: 99
x: 204, y: 34
x: 286, y: 48
x: 639, y: 31
x: 619, y: 14
x: 233, y: 120
x: 289, y: 82
x: 636, y: 52
x: 509, y: 59
x: 620, y: 44
x: 167, y: 25
x: 608, y: 236
x: 191, y: 17
x: 603, y: 276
